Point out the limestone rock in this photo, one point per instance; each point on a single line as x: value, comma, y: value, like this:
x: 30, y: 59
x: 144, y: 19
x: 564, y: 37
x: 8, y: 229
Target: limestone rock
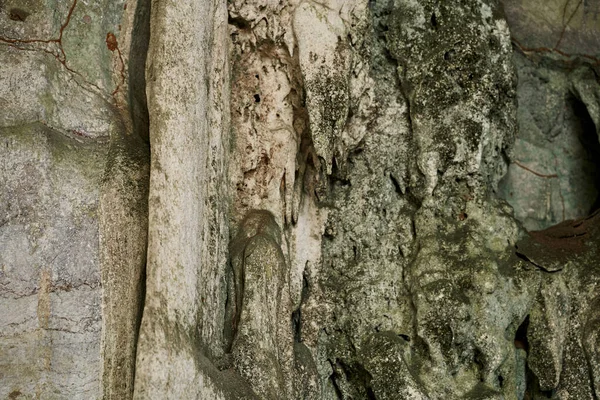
x: 553, y: 161
x: 261, y: 347
x: 73, y: 201
x: 317, y: 199
x: 51, y: 324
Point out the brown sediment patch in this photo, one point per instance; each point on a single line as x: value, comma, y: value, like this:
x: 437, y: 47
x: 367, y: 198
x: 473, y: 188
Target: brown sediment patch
x: 552, y: 248
x: 17, y: 14
x: 14, y: 394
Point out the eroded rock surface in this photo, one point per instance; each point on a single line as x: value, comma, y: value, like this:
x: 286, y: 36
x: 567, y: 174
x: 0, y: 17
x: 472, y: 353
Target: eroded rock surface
x: 73, y: 201
x: 50, y: 284
x: 334, y: 199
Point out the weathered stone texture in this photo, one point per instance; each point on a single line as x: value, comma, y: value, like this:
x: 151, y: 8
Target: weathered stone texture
x: 73, y: 203
x: 188, y: 95
x: 308, y: 199
x: 50, y: 327
x: 553, y: 175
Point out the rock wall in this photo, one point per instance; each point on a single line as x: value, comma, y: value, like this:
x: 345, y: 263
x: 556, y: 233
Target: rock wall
x: 188, y: 97
x: 74, y: 198
x: 306, y: 199
x: 553, y: 172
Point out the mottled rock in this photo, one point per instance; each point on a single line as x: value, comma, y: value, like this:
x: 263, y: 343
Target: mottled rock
x: 51, y: 324
x: 553, y: 175
x: 325, y: 59
x: 317, y: 190
x: 188, y: 97
x: 547, y: 331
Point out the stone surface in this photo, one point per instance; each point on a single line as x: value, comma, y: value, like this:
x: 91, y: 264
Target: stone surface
x: 261, y: 348
x: 553, y: 175
x: 309, y: 199
x: 51, y: 324
x: 73, y: 204
x: 187, y: 236
x: 557, y: 28
x: 123, y: 239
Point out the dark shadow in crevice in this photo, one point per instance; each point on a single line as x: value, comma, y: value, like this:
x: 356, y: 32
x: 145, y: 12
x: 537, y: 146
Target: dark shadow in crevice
x: 297, y: 315
x: 17, y: 14
x: 333, y: 379
x: 521, y: 341
x: 588, y: 137
x: 138, y: 109
x: 532, y: 389
x: 357, y: 376
x: 140, y: 40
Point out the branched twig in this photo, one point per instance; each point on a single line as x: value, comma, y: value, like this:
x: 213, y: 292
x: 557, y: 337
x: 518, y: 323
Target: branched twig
x: 61, y: 56
x: 535, y: 173
x: 564, y: 25
x: 527, y: 50
x: 113, y: 44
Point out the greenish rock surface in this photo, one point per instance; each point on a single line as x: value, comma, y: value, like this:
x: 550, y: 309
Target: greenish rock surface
x: 260, y: 349
x: 73, y: 202
x: 342, y: 199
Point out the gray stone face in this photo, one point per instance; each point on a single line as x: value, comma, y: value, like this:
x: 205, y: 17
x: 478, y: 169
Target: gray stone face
x: 341, y: 199
x: 50, y: 283
x: 187, y: 90
x: 553, y: 171
x: 553, y: 175
x: 72, y: 205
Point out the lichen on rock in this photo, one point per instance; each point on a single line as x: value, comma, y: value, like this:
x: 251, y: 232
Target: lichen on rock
x: 318, y: 199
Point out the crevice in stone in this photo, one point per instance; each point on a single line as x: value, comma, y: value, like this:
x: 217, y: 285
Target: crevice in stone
x: 18, y: 14
x: 589, y: 332
x: 238, y: 22
x: 478, y: 360
x: 532, y: 385
x: 405, y: 337
x: 138, y: 108
x: 333, y: 378
x: 297, y: 315
x: 337, y: 177
x: 140, y: 40
x: 396, y: 184
x: 227, y: 328
x: 588, y: 137
x: 381, y: 12
x: 523, y: 257
x: 297, y: 324
x: 355, y: 376
x: 590, y: 371
x: 433, y: 21
x: 533, y: 390
x: 521, y: 335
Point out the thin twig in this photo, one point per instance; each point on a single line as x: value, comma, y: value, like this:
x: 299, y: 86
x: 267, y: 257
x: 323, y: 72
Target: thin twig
x: 535, y: 173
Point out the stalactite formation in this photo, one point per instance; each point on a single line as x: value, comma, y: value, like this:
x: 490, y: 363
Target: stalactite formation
x: 383, y: 199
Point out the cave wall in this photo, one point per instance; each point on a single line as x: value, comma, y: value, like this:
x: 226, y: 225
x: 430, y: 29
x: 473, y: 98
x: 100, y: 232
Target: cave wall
x: 553, y: 172
x: 74, y: 199
x: 319, y: 200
